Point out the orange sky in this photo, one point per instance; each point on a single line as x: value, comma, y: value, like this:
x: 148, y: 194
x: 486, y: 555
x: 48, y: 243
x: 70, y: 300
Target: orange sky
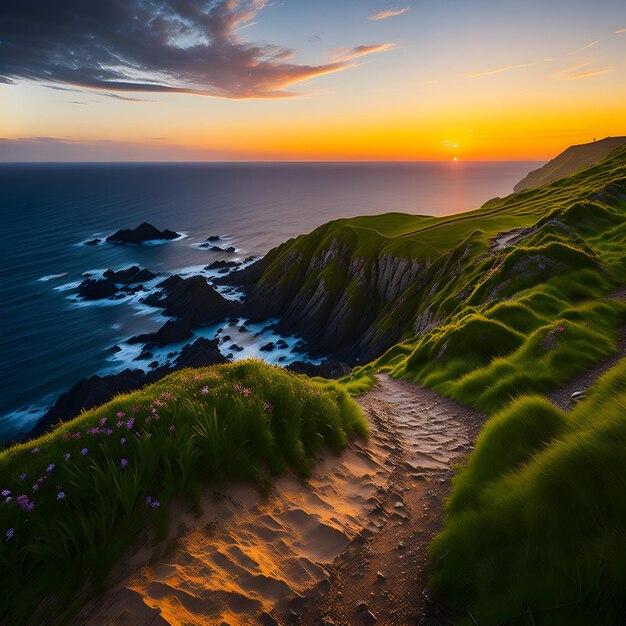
x: 367, y: 81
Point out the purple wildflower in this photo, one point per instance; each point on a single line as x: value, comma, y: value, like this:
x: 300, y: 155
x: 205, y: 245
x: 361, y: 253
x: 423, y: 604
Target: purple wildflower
x: 120, y: 423
x: 130, y: 422
x: 84, y: 451
x: 148, y: 499
x: 120, y: 414
x: 9, y: 534
x: 103, y: 421
x: 204, y: 390
x: 6, y: 492
x: 61, y: 495
x: 25, y: 503
x: 9, y: 499
x: 267, y: 406
x: 123, y: 463
x: 35, y: 451
x: 172, y: 428
x: 67, y: 456
x: 149, y: 435
x: 36, y: 487
x: 123, y: 440
x: 50, y: 467
x: 155, y: 504
x: 134, y: 409
x: 22, y: 476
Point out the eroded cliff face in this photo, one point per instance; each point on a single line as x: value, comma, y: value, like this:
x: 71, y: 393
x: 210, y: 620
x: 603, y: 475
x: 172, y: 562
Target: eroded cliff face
x: 344, y: 302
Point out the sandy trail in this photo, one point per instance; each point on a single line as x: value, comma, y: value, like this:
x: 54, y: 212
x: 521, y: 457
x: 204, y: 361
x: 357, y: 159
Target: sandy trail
x: 357, y: 531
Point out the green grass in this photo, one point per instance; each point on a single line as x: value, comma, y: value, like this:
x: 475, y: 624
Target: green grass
x: 536, y: 523
x: 238, y: 421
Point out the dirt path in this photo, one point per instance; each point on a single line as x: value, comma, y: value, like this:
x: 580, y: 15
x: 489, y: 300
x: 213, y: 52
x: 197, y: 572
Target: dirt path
x: 355, y: 533
x: 385, y: 567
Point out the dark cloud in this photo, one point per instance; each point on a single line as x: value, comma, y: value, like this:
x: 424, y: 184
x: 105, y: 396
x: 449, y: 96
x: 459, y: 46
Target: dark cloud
x: 179, y: 46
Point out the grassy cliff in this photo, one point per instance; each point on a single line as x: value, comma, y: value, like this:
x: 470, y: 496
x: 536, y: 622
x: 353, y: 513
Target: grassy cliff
x: 72, y: 499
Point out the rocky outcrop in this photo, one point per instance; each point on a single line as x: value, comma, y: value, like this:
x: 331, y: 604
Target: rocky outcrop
x: 326, y: 369
x: 96, y: 289
x: 144, y: 232
x: 192, y: 302
x: 129, y: 276
x: 96, y: 390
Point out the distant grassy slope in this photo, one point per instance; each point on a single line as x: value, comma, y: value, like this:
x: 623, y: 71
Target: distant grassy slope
x: 570, y: 161
x: 536, y: 524
x: 72, y: 499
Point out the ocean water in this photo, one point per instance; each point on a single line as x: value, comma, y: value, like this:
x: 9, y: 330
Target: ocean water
x: 50, y: 340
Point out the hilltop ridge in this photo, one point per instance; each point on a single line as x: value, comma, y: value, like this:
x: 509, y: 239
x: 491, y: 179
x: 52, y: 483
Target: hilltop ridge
x: 572, y: 160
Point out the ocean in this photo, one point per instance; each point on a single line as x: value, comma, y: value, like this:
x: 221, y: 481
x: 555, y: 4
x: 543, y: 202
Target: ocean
x: 50, y: 340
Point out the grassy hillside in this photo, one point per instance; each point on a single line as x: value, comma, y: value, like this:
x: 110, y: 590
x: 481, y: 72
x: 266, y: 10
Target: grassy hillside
x: 536, y: 524
x: 72, y: 499
x: 572, y: 160
x: 356, y: 287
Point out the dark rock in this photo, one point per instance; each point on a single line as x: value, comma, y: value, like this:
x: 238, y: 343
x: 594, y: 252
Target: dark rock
x: 115, y: 349
x: 173, y: 331
x: 144, y: 356
x: 213, y: 238
x: 226, y: 338
x: 216, y: 249
x: 236, y: 348
x: 143, y: 232
x: 217, y: 265
x: 196, y: 302
x: 130, y: 275
x: 361, y: 606
x: 268, y: 347
x: 282, y: 344
x: 170, y: 282
x: 282, y: 359
x: 97, y: 390
x: 171, y: 355
x: 153, y: 365
x: 92, y: 242
x: 326, y: 369
x: 243, y: 329
x: 87, y: 394
x: 201, y: 353
x: 96, y: 289
x: 231, y: 249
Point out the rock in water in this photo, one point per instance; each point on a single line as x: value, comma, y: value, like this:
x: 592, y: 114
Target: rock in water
x: 86, y: 394
x: 130, y: 275
x: 96, y: 289
x: 143, y: 232
x: 97, y: 390
x: 196, y: 302
x: 200, y: 353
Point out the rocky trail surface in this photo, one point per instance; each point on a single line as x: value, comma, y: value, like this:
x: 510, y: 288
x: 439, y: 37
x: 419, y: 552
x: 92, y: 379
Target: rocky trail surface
x: 348, y: 547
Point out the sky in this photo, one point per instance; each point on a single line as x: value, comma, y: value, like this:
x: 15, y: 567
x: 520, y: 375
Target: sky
x: 253, y: 80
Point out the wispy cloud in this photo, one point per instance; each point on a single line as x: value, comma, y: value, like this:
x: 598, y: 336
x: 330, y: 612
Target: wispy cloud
x: 589, y: 45
x: 589, y: 74
x: 385, y: 13
x: 344, y: 55
x: 170, y: 46
x: 620, y: 31
x: 583, y: 69
x: 497, y: 70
